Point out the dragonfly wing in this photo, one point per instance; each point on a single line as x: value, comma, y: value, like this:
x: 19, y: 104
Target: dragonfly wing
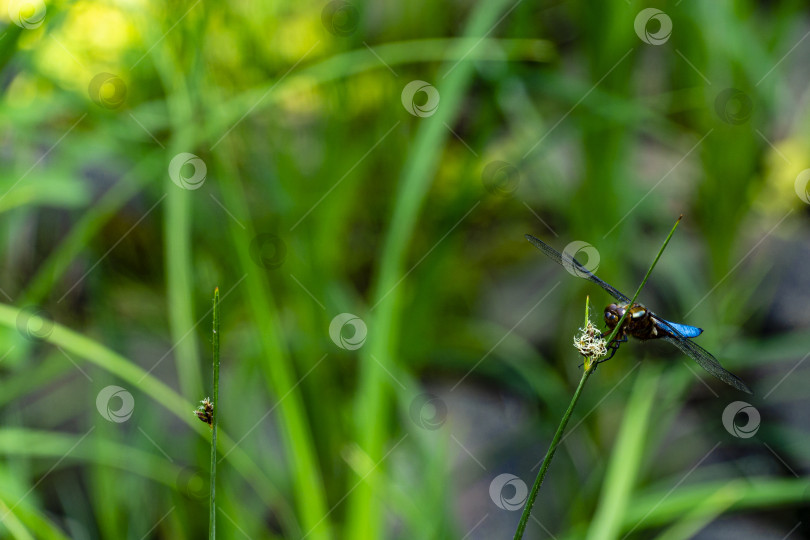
x: 574, y: 267
x: 685, y: 330
x: 701, y: 356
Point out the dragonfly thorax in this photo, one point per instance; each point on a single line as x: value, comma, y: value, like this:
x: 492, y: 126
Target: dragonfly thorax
x: 638, y: 322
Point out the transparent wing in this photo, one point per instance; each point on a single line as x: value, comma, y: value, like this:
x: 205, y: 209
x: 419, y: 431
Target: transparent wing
x: 700, y: 355
x: 568, y: 262
x: 686, y: 330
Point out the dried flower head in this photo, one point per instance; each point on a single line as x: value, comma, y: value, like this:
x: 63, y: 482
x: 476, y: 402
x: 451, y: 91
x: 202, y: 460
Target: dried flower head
x: 205, y: 412
x: 590, y: 343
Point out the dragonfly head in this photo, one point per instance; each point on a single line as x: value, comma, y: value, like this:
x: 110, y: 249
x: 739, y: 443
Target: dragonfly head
x: 613, y: 313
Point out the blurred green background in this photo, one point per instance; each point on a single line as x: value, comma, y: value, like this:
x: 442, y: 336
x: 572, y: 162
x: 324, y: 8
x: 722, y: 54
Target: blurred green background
x: 357, y: 179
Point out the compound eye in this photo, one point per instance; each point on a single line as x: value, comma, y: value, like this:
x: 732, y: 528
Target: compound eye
x: 610, y: 316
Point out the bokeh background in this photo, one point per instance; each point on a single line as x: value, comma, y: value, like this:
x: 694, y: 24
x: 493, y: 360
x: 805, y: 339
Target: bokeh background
x: 357, y: 178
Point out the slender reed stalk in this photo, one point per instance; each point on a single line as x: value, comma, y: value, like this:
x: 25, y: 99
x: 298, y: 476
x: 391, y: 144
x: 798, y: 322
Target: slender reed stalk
x: 644, y: 281
x: 527, y: 510
x: 589, y: 367
x: 212, y: 521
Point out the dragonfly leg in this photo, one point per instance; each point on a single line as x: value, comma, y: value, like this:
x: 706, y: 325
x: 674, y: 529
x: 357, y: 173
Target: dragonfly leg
x: 614, y: 346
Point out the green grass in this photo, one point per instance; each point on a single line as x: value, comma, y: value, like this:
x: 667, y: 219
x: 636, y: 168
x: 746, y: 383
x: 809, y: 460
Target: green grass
x: 373, y: 402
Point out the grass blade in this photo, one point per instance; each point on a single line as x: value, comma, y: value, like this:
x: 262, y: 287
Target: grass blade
x: 365, y: 515
x: 626, y: 458
x: 212, y: 512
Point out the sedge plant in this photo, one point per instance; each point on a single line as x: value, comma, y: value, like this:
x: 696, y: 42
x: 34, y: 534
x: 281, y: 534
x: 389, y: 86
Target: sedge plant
x: 207, y: 412
x: 594, y: 348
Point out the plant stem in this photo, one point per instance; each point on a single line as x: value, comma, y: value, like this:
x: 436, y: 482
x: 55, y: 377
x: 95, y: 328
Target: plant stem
x: 212, y: 517
x: 590, y: 366
x: 644, y: 281
x: 527, y: 510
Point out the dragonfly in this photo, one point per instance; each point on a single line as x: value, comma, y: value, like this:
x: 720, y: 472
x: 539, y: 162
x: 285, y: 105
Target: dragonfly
x: 641, y: 323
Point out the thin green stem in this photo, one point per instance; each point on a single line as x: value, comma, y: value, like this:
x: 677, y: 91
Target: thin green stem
x: 527, y: 510
x: 212, y: 517
x: 590, y: 366
x: 587, y: 308
x: 98, y: 355
x: 644, y: 281
x: 298, y: 434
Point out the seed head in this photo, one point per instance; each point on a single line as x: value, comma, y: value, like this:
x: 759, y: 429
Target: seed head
x: 590, y: 343
x: 205, y: 412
